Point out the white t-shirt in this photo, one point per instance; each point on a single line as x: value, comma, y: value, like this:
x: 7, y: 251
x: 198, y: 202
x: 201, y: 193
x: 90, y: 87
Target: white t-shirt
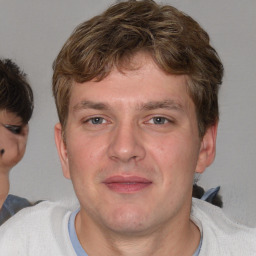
x: 43, y: 230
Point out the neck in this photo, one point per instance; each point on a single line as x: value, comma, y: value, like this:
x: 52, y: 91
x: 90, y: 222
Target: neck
x: 4, y: 187
x: 181, y: 238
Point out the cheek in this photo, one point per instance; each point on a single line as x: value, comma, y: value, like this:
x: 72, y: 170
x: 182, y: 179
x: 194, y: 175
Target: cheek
x: 14, y: 149
x: 85, y: 153
x: 176, y: 161
x: 176, y: 157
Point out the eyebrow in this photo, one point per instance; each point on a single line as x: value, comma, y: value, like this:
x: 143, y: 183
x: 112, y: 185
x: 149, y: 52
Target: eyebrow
x: 165, y: 104
x: 86, y: 104
x: 151, y: 105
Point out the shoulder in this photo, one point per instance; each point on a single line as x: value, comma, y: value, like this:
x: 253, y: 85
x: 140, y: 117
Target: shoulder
x: 12, y: 205
x: 221, y: 234
x: 38, y: 225
x: 13, y: 201
x: 40, y: 212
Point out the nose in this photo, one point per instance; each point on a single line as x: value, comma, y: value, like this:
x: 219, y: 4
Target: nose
x: 126, y: 144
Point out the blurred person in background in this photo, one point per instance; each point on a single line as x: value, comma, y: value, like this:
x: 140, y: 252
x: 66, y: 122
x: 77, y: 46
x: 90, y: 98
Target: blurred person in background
x: 16, y: 108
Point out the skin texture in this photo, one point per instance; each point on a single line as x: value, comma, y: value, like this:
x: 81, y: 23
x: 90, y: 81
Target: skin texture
x: 131, y: 149
x: 14, y: 146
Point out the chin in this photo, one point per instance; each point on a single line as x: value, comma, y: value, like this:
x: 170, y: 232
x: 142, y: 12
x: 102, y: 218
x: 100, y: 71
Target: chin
x: 128, y: 221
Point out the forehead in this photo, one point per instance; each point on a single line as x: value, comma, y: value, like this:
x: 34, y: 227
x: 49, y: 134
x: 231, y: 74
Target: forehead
x: 146, y: 82
x: 8, y: 117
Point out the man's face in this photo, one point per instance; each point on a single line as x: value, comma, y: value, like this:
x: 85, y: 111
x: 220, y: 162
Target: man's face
x: 132, y: 148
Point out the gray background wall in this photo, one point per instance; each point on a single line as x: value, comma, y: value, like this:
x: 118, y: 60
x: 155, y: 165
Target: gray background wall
x: 32, y: 32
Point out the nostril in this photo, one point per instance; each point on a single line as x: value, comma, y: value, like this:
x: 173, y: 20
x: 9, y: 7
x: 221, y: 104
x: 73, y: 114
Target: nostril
x: 2, y: 152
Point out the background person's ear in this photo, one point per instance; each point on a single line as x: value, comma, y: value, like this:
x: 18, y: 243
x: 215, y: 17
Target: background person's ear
x: 62, y: 151
x: 207, y: 149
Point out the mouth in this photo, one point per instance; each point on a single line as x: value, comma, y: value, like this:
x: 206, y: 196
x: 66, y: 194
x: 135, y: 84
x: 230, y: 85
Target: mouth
x: 127, y: 185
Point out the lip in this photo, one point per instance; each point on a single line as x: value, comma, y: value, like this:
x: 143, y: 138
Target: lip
x: 127, y: 184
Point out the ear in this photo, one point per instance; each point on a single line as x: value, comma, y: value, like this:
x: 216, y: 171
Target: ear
x: 62, y: 150
x: 207, y: 149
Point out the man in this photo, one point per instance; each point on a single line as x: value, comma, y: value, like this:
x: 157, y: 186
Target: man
x: 16, y: 107
x: 136, y: 93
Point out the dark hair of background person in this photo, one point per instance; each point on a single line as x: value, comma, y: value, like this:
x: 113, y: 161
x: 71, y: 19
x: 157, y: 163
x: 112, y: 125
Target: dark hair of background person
x: 16, y: 95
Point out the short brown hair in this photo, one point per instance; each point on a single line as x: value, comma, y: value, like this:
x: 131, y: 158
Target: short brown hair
x: 16, y: 95
x: 175, y: 41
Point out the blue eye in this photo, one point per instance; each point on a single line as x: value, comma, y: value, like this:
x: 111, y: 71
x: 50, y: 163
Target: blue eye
x: 97, y: 120
x: 159, y: 120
